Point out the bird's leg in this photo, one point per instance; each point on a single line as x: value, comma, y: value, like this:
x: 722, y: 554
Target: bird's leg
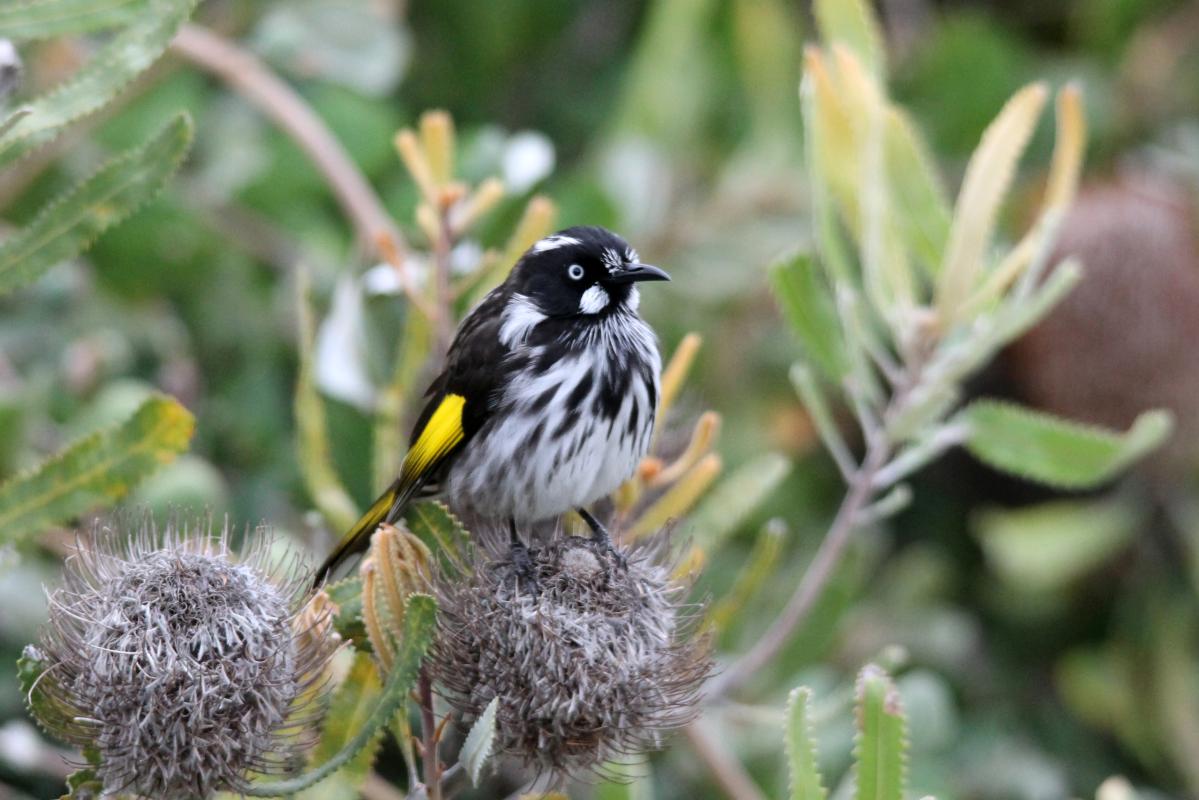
x: 600, y: 537
x: 520, y: 556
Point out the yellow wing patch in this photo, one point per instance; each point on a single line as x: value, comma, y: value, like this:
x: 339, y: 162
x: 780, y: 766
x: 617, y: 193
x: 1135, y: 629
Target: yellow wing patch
x: 440, y: 435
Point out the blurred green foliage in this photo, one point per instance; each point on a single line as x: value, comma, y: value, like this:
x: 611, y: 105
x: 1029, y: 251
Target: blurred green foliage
x: 1047, y: 640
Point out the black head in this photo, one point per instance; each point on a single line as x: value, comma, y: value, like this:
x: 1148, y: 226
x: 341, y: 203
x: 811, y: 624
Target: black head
x: 586, y: 271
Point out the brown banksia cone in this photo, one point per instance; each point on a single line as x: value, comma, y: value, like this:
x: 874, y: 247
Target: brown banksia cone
x: 1124, y: 340
x: 185, y: 666
x: 598, y: 659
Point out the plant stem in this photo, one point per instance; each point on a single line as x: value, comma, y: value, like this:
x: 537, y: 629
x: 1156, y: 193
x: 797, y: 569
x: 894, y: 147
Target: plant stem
x: 432, y: 765
x: 818, y: 574
x: 263, y: 88
x: 731, y: 776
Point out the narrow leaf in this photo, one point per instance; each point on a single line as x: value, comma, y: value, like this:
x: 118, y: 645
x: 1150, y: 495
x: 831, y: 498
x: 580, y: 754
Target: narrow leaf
x: 807, y: 302
x: 70, y: 224
x: 763, y: 561
x: 881, y: 743
x: 117, y: 63
x: 479, y: 742
x: 316, y: 461
x: 803, y: 769
x: 988, y: 176
x: 921, y: 211
x: 94, y: 471
x: 852, y: 23
x: 1057, y: 452
x: 43, y: 19
x: 349, y: 710
x: 738, y: 496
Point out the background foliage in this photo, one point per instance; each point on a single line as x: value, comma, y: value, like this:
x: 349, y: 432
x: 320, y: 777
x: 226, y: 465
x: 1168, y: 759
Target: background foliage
x: 1041, y: 641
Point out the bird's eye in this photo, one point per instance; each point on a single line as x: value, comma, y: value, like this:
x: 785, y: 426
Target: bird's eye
x: 575, y: 272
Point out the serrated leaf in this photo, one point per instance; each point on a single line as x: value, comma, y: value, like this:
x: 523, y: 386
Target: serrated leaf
x: 96, y: 470
x: 118, y: 62
x: 1054, y: 451
x: 312, y: 433
x: 807, y: 302
x: 31, y: 666
x: 803, y: 768
x: 736, y: 497
x: 1047, y: 546
x: 84, y: 784
x: 881, y: 745
x: 443, y: 534
x: 349, y: 710
x: 852, y: 23
x: 420, y: 617
x: 479, y: 742
x: 346, y: 594
x: 69, y: 224
x: 43, y: 19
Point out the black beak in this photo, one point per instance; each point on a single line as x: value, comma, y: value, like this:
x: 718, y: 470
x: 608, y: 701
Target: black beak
x: 638, y: 272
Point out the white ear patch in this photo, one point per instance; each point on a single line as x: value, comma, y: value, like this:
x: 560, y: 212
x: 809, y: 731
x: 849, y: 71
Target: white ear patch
x: 553, y: 243
x: 594, y: 300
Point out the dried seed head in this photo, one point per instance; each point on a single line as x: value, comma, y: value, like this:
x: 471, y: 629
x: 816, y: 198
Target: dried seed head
x: 598, y: 660
x: 185, y: 666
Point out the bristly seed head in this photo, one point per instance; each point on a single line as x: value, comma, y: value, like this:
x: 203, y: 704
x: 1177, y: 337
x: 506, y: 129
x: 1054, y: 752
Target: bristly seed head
x: 597, y: 661
x: 185, y: 666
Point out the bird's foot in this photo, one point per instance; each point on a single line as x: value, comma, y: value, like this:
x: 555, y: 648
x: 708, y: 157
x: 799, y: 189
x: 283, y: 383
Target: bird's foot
x: 522, y: 561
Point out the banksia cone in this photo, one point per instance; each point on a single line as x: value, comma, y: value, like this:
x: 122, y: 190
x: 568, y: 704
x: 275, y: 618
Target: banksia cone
x: 594, y: 660
x: 1123, y: 341
x: 184, y: 666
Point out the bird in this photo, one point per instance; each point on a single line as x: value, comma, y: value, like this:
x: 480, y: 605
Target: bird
x: 547, y: 399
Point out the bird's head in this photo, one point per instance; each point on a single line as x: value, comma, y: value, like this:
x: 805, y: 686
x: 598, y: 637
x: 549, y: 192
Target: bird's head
x: 581, y: 271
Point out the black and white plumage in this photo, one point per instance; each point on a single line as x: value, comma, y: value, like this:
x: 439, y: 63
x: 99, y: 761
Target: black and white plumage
x: 548, y: 396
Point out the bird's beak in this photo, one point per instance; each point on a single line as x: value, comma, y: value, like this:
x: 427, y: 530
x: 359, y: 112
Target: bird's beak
x: 638, y: 272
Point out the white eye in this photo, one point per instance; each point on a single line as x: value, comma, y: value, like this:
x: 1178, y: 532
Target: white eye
x: 575, y: 272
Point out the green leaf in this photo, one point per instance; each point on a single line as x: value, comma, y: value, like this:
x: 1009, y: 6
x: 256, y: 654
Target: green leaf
x: 315, y: 457
x: 70, y: 224
x: 349, y: 710
x: 346, y: 594
x: 420, y: 616
x: 737, y: 496
x: 95, y: 471
x: 807, y: 301
x: 443, y: 534
x: 881, y: 743
x: 43, y: 19
x: 852, y: 23
x: 1053, y: 451
x: 48, y: 713
x: 479, y: 742
x: 762, y: 562
x: 1047, y: 546
x: 118, y: 62
x: 803, y: 769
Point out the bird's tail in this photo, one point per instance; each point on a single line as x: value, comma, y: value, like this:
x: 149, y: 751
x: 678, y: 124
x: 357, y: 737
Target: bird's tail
x: 387, y: 508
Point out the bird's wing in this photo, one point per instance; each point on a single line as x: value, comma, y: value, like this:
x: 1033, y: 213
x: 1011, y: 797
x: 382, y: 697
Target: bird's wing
x: 461, y: 400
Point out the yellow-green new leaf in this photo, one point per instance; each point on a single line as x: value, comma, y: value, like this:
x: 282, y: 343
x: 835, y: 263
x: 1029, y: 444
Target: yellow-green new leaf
x: 95, y: 471
x: 70, y: 224
x: 852, y: 23
x: 881, y: 742
x: 43, y: 19
x: 1044, y: 448
x: 988, y: 176
x: 118, y: 62
x: 803, y: 769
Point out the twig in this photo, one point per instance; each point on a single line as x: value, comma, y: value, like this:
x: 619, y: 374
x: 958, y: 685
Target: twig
x: 828, y: 556
x: 731, y: 776
x: 429, y: 731
x: 266, y: 90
